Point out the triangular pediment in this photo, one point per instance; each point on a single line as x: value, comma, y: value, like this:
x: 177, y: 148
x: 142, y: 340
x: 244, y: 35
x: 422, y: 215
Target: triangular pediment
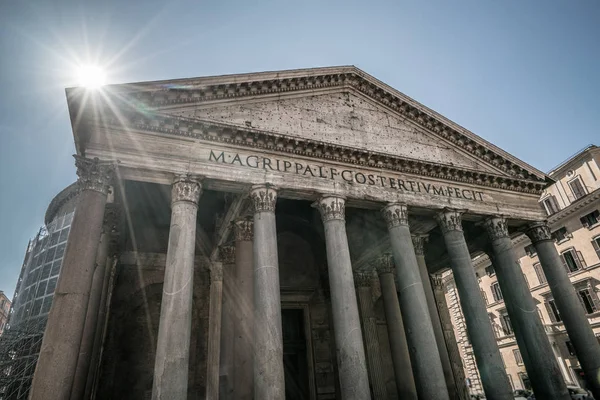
x: 337, y: 106
x: 342, y: 118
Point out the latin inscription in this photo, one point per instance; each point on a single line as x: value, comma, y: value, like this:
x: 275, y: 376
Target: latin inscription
x: 347, y: 175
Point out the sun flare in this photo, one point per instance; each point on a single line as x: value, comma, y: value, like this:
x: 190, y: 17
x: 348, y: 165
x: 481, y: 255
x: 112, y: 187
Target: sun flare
x: 91, y: 76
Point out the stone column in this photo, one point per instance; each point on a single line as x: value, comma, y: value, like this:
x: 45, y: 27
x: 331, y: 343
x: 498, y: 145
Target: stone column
x: 213, y: 357
x: 354, y: 380
x: 425, y: 359
x: 111, y: 232
x: 226, y: 366
x: 437, y: 284
x: 363, y: 281
x: 419, y: 245
x: 405, y: 381
x: 542, y: 368
x: 174, y: 331
x: 242, y: 303
x: 573, y: 316
x: 86, y: 349
x: 57, y: 363
x: 269, y: 382
x: 485, y: 347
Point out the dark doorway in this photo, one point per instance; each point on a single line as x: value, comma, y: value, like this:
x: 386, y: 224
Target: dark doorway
x: 295, y: 363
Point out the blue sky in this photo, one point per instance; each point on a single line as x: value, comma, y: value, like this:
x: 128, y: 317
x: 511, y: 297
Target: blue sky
x: 521, y: 74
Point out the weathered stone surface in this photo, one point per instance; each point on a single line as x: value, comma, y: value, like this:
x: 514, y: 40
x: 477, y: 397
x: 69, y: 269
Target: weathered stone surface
x: 354, y: 379
x: 171, y: 366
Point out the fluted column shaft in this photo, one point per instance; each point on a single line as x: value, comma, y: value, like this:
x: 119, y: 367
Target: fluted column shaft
x: 542, y: 368
x: 173, y: 343
x: 269, y: 382
x: 213, y: 356
x: 567, y: 301
x: 485, y: 347
x: 57, y: 363
x: 403, y: 373
x: 364, y: 293
x: 226, y: 365
x: 242, y: 305
x: 425, y: 359
x: 352, y: 369
x: 419, y: 244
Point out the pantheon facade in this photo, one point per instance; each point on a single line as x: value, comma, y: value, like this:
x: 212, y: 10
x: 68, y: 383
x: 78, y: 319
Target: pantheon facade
x: 280, y: 235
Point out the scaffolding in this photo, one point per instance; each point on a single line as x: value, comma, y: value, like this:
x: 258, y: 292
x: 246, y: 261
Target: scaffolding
x: 19, y: 349
x: 22, y: 339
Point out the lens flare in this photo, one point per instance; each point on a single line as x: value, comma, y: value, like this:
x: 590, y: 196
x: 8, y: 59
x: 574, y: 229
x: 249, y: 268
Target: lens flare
x: 91, y: 76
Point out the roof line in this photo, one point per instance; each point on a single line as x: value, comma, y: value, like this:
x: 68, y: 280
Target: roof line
x: 571, y: 157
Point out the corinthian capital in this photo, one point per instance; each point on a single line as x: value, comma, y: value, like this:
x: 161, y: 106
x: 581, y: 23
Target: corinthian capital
x: 395, y: 214
x: 419, y: 243
x: 186, y: 188
x: 227, y: 254
x: 244, y: 230
x: 331, y: 207
x: 384, y: 264
x: 449, y: 220
x: 363, y: 279
x: 264, y: 198
x: 496, y: 227
x: 538, y: 232
x: 94, y: 174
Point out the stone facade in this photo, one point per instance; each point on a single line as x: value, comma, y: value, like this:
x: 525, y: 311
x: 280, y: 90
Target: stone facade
x: 572, y: 205
x: 254, y: 212
x: 4, y: 309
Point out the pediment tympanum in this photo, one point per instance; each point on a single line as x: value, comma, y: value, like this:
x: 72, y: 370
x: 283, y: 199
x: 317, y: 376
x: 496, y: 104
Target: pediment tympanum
x: 342, y: 118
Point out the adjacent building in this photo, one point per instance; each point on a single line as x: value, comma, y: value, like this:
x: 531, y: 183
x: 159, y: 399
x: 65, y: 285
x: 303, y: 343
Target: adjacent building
x: 34, y: 293
x: 4, y: 311
x: 572, y: 207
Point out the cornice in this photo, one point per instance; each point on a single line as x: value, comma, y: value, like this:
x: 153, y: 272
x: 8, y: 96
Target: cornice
x: 160, y: 95
x: 573, y: 207
x: 259, y: 139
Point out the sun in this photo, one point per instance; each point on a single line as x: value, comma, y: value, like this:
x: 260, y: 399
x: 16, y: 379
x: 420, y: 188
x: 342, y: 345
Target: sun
x: 91, y: 76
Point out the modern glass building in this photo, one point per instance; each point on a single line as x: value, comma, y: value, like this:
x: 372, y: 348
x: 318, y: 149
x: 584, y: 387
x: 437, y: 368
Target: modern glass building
x: 20, y: 344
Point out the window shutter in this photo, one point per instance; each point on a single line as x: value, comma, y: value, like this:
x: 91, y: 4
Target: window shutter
x: 562, y: 257
x: 580, y: 297
x: 596, y: 246
x: 550, y: 312
x: 580, y: 260
x: 554, y: 203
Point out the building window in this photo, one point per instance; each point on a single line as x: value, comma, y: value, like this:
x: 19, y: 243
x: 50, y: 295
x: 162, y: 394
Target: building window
x: 553, y: 311
x: 525, y: 381
x: 596, y: 244
x: 518, y: 357
x: 510, y: 379
x: 496, y: 291
x: 506, y: 325
x: 530, y: 250
x: 577, y: 188
x: 489, y: 270
x: 484, y: 297
x: 570, y: 348
x: 586, y: 299
x: 551, y: 205
x: 537, y: 267
x: 572, y: 260
x: 560, y: 234
x: 591, y: 219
